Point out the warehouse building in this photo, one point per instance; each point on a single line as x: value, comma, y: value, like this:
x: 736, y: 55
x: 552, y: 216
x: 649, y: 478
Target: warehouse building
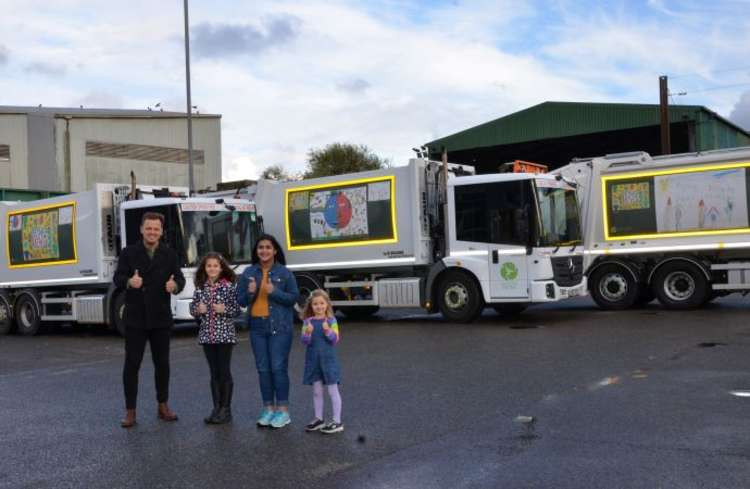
x: 554, y: 133
x: 68, y: 150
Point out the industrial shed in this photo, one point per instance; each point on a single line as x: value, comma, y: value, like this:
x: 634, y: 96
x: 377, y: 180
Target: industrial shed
x: 68, y: 150
x: 554, y: 133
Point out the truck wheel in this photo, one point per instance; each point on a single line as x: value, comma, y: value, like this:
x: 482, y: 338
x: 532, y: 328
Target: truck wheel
x: 613, y: 287
x: 118, y: 313
x: 459, y: 297
x: 510, y: 309
x: 6, y: 315
x: 359, y: 312
x: 28, y: 318
x: 681, y: 285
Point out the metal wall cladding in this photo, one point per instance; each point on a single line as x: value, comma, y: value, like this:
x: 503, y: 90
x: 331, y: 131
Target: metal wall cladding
x: 560, y: 119
x: 23, y: 195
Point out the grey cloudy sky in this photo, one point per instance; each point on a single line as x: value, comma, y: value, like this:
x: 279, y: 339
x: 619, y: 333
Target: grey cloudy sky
x: 291, y: 75
x: 222, y: 39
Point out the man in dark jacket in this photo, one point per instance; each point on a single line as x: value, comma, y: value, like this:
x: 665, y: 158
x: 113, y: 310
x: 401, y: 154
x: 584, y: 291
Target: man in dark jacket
x: 149, y: 273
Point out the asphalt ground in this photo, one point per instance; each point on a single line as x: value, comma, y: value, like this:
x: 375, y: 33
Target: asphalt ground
x: 633, y: 399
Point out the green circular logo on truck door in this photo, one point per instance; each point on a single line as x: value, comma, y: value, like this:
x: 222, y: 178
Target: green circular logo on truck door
x: 509, y: 271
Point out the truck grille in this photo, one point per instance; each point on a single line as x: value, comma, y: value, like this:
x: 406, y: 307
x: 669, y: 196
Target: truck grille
x: 567, y: 270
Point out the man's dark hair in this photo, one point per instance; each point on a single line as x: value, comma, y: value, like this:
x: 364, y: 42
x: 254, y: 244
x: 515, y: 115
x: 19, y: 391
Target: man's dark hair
x: 152, y: 216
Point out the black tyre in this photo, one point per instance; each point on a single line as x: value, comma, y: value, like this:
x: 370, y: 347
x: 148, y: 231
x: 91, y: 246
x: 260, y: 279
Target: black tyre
x: 27, y: 314
x: 358, y: 312
x: 459, y: 297
x: 7, y: 325
x: 118, y: 313
x: 510, y: 309
x: 681, y: 285
x: 613, y: 287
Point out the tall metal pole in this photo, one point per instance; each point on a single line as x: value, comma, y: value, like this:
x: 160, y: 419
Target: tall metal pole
x: 666, y: 145
x: 191, y: 181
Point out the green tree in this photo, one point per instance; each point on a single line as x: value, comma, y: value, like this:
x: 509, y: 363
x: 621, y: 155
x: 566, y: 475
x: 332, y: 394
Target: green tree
x: 339, y: 158
x: 275, y: 172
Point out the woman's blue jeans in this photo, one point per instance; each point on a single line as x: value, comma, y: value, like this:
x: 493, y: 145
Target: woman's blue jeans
x: 271, y: 349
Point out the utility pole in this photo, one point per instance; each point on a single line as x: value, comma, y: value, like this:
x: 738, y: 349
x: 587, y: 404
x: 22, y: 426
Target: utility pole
x: 666, y: 145
x: 191, y: 181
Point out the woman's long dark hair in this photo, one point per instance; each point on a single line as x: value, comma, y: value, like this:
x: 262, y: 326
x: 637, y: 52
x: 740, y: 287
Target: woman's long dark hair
x: 201, y: 277
x: 279, y: 257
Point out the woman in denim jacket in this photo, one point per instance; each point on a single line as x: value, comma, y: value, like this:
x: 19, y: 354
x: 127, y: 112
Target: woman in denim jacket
x: 269, y: 291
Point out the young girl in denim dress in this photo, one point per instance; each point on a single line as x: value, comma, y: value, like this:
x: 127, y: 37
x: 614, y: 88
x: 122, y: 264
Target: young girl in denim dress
x: 215, y: 306
x: 320, y: 333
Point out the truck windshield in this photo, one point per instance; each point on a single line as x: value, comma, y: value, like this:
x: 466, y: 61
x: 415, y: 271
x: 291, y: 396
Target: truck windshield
x: 559, y: 220
x: 231, y: 233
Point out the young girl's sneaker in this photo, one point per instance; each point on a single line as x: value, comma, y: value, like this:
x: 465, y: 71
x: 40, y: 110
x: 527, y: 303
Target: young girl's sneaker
x: 265, y: 417
x: 315, y: 425
x: 280, y: 419
x: 332, y: 427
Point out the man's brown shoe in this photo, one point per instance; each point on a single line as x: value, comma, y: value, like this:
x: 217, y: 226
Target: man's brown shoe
x: 129, y: 420
x: 165, y: 413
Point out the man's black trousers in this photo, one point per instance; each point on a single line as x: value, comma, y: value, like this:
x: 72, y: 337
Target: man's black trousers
x: 135, y: 344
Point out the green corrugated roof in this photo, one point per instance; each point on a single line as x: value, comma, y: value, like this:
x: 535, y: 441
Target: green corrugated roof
x: 560, y: 119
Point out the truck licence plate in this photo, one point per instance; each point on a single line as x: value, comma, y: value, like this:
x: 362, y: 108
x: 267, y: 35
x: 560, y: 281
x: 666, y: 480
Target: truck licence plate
x: 575, y: 291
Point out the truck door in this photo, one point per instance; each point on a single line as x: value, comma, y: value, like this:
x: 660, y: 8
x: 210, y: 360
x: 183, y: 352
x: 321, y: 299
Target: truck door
x: 510, y: 208
x: 499, y: 216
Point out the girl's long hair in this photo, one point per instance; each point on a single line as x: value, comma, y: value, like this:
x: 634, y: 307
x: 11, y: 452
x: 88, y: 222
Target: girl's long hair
x: 307, y: 312
x: 279, y: 257
x: 201, y: 277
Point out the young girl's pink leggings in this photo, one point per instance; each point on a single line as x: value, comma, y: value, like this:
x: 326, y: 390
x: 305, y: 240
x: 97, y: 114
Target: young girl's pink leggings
x: 333, y: 393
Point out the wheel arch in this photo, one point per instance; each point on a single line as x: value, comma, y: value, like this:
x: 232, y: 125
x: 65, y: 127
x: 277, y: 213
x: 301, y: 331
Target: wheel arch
x: 440, y: 276
x: 627, y: 265
x: 689, y: 259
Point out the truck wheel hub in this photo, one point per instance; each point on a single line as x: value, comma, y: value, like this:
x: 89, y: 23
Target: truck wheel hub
x: 679, y: 286
x: 613, y: 287
x: 456, y: 296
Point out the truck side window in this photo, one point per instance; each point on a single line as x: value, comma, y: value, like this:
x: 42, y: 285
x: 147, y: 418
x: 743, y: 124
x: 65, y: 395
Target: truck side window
x: 487, y: 212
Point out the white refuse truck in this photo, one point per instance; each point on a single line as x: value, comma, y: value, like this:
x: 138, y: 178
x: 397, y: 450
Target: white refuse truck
x: 59, y: 254
x: 400, y: 238
x: 672, y: 227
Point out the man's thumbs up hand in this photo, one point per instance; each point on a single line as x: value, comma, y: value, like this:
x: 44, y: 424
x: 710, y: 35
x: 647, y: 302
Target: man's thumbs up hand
x: 171, y: 285
x: 135, y: 282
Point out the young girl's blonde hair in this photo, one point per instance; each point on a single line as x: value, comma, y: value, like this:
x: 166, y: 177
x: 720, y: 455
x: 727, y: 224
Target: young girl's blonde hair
x: 307, y: 312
